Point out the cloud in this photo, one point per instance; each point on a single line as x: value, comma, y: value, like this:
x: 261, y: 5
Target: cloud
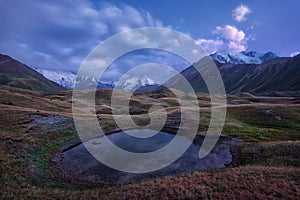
x: 60, y: 34
x: 237, y: 47
x: 239, y: 14
x: 230, y: 37
x: 211, y: 46
x: 294, y: 54
x: 230, y: 33
x: 236, y: 38
x: 132, y: 59
x: 150, y: 39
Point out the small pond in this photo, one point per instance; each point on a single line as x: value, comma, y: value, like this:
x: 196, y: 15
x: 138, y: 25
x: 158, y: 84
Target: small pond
x: 80, y: 165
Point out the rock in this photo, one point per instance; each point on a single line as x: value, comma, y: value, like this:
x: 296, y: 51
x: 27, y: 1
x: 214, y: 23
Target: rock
x: 96, y: 142
x: 269, y: 112
x: 278, y: 118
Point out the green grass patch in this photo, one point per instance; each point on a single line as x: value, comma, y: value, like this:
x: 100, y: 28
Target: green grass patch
x: 281, y: 154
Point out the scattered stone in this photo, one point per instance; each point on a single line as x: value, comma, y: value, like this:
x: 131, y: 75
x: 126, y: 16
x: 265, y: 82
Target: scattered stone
x: 269, y: 112
x: 43, y: 114
x: 278, y: 118
x: 236, y: 102
x: 49, y: 123
x: 96, y: 142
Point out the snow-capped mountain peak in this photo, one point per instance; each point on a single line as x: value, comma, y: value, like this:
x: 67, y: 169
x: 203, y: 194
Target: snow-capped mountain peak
x: 251, y: 57
x: 135, y: 82
x: 68, y: 80
x: 63, y: 78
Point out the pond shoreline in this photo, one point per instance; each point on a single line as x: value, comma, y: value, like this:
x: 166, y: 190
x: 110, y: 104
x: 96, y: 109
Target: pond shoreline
x: 234, y: 145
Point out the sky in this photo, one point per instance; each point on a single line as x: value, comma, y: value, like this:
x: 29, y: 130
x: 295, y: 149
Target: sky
x: 58, y: 35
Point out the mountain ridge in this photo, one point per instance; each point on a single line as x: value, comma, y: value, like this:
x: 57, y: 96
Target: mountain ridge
x: 251, y: 57
x: 274, y: 75
x: 140, y: 82
x: 16, y: 74
x: 278, y: 76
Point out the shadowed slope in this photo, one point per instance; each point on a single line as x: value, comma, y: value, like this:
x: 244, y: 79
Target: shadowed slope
x: 277, y: 77
x: 16, y: 74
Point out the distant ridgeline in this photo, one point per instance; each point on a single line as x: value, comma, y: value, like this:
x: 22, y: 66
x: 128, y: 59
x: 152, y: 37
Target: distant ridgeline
x: 252, y: 72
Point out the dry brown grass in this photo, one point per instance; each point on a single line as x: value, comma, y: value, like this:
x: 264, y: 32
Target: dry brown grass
x: 26, y: 152
x: 236, y: 183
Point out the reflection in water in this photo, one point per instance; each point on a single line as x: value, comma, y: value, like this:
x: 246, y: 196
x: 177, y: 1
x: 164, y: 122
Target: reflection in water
x: 82, y: 166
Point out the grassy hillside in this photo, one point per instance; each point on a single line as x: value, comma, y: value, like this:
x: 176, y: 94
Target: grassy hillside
x: 35, y: 125
x: 276, y: 77
x: 16, y: 74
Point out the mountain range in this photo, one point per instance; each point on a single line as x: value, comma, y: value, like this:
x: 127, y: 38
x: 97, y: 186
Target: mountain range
x: 68, y: 80
x: 137, y: 82
x: 63, y: 78
x: 259, y: 74
x: 251, y: 57
x: 252, y: 72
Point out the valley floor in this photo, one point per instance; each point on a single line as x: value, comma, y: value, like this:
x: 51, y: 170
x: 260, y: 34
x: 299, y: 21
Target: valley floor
x: 35, y: 126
